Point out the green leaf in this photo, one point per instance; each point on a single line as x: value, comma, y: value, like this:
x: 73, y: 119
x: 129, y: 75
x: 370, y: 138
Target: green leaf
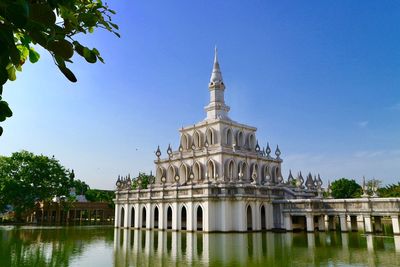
x: 114, y: 25
x: 1, y: 130
x: 67, y: 73
x: 89, y: 55
x: 79, y: 48
x: 11, y: 73
x: 43, y: 14
x: 5, y: 110
x: 61, y: 48
x: 33, y: 55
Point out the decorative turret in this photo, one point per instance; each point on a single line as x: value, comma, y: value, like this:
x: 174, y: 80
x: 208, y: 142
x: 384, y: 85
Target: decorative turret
x: 268, y: 150
x: 290, y: 179
x: 277, y: 153
x: 310, y: 182
x: 216, y: 109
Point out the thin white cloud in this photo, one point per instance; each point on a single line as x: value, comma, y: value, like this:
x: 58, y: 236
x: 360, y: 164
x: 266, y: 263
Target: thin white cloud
x: 363, y: 124
x: 395, y: 106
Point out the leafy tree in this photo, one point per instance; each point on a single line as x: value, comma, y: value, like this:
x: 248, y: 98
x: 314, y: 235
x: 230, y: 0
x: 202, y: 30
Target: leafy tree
x: 80, y: 187
x: 346, y: 188
x: 97, y: 195
x: 144, y: 178
x: 26, y: 178
x: 52, y: 24
x: 392, y: 190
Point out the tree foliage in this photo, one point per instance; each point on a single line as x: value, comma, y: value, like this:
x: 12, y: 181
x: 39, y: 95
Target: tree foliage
x: 26, y: 178
x: 53, y: 25
x: 346, y: 188
x: 392, y: 190
x: 144, y: 179
x: 97, y: 195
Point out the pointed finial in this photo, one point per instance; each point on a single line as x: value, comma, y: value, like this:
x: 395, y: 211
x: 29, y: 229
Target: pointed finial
x: 169, y: 150
x: 215, y: 54
x: 216, y: 76
x: 158, y: 152
x: 257, y: 147
x: 268, y: 150
x: 277, y: 152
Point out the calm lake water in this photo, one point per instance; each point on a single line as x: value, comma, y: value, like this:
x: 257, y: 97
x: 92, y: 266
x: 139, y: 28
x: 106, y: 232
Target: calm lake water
x: 104, y: 246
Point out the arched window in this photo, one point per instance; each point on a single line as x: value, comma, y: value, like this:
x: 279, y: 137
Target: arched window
x: 230, y: 169
x: 183, y: 173
x: 254, y: 172
x: 199, y: 219
x: 239, y: 139
x: 156, y: 217
x: 252, y: 141
x: 171, y: 174
x: 197, y: 171
x: 169, y: 217
x: 144, y: 217
x: 185, y: 142
x: 197, y: 139
x: 229, y: 137
x: 249, y: 218
x: 242, y: 171
x: 211, y: 171
x: 263, y: 218
x: 183, y: 218
x: 210, y: 136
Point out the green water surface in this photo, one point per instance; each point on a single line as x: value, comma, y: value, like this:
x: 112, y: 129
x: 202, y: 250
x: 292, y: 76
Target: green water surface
x: 105, y: 246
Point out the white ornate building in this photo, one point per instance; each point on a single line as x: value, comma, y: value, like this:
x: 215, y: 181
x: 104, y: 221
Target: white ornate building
x: 219, y: 179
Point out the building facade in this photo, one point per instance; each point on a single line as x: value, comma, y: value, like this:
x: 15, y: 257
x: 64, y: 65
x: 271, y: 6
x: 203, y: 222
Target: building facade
x: 219, y: 178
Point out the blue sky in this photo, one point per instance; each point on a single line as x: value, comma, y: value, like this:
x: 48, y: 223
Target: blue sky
x: 319, y: 78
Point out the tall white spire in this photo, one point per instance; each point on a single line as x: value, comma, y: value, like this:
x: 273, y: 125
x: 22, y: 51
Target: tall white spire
x: 216, y: 109
x: 216, y: 76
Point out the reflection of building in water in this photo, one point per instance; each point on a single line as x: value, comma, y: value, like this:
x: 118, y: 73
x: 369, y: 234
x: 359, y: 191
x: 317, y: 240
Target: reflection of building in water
x: 160, y: 248
x: 220, y: 179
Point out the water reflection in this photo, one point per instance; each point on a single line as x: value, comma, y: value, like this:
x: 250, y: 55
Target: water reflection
x: 160, y: 248
x: 106, y: 246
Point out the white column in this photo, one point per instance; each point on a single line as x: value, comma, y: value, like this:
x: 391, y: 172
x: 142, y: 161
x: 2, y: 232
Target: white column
x: 190, y: 216
x: 326, y: 222
x: 288, y: 222
x: 343, y: 222
x: 349, y: 227
x: 368, y: 224
x: 126, y: 215
x: 395, y: 224
x: 257, y: 216
x: 137, y: 216
x: 161, y: 217
x: 360, y: 223
x: 206, y: 216
x: 269, y: 220
x: 175, y: 216
x: 310, y: 222
x: 117, y: 218
x: 149, y: 216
